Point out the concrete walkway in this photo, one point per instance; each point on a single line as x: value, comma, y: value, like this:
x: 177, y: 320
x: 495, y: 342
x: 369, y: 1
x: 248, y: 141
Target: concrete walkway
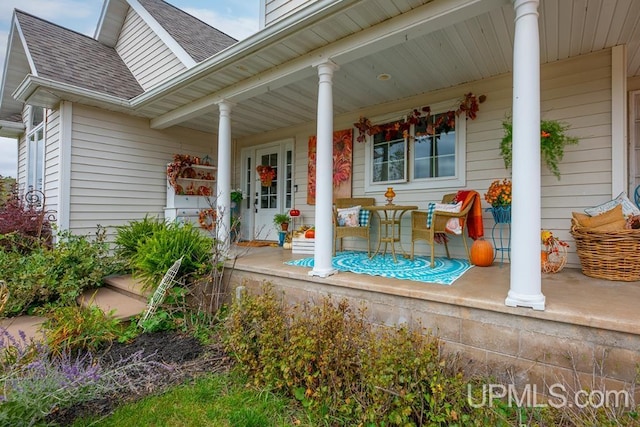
x: 122, y: 296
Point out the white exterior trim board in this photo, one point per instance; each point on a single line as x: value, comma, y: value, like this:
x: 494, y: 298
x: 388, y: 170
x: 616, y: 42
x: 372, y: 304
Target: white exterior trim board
x: 64, y: 186
x: 619, y: 140
x: 171, y: 43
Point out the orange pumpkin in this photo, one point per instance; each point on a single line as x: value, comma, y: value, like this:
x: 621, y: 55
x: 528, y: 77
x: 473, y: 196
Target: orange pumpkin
x: 310, y: 234
x: 482, y: 253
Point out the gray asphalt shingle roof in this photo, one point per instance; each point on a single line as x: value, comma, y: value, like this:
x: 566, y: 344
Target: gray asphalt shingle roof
x: 198, y: 39
x: 66, y: 56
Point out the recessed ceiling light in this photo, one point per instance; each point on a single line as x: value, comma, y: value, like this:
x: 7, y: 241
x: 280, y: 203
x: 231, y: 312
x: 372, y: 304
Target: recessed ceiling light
x: 383, y: 76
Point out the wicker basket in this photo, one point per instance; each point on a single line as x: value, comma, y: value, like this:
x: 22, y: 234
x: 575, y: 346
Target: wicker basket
x: 611, y: 255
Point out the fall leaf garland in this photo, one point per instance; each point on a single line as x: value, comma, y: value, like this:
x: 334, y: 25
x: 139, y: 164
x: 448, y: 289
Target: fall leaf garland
x: 469, y: 105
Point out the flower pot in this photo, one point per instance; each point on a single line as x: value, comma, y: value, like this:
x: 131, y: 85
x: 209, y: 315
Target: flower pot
x: 266, y: 182
x: 285, y: 226
x: 501, y: 214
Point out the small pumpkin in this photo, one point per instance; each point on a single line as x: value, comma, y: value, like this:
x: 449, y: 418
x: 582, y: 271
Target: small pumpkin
x: 310, y: 234
x: 482, y: 253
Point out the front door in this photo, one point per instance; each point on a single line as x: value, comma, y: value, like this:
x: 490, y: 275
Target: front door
x: 267, y: 195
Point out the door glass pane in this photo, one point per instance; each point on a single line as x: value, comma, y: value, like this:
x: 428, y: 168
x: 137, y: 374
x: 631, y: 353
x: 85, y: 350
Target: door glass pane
x: 269, y: 195
x: 289, y: 183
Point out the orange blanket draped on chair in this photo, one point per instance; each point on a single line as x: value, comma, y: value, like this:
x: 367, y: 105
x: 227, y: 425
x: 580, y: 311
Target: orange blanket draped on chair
x: 475, y: 227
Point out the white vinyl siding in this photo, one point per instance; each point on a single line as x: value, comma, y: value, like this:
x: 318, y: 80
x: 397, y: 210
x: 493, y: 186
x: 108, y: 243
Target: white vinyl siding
x: 148, y: 58
x: 278, y: 9
x: 118, y: 167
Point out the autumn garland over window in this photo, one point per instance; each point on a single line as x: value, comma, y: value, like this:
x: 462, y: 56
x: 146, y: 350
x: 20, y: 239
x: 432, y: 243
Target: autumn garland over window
x: 469, y: 105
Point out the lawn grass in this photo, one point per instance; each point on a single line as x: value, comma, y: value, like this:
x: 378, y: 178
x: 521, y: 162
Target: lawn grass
x: 220, y: 400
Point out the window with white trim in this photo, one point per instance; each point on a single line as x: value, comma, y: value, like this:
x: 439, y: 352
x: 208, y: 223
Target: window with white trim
x: 430, y: 154
x: 35, y: 149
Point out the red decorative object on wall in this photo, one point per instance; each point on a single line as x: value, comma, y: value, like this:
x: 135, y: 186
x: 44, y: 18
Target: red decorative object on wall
x: 342, y: 165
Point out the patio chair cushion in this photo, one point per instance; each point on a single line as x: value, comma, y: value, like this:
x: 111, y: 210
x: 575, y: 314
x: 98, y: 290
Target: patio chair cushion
x: 349, y: 217
x: 628, y: 208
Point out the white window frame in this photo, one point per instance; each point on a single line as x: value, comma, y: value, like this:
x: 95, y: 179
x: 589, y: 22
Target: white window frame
x: 35, y: 151
x: 458, y: 180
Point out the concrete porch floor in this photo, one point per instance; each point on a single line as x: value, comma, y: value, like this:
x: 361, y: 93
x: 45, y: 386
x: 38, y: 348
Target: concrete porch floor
x: 571, y: 297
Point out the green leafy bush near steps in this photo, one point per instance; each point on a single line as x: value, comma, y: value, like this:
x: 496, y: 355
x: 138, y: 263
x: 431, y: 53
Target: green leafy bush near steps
x: 129, y: 237
x: 55, y: 275
x: 157, y: 253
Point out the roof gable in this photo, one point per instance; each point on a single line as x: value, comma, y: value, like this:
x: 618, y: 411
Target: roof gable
x: 69, y: 57
x: 198, y: 39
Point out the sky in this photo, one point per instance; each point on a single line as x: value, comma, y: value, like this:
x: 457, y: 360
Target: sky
x: 237, y: 18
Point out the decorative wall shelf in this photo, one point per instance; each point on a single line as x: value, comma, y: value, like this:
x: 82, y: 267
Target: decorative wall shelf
x: 191, y: 193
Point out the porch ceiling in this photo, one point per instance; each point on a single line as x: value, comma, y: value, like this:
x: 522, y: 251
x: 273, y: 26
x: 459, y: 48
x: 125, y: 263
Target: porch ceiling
x: 271, y: 78
x: 276, y: 87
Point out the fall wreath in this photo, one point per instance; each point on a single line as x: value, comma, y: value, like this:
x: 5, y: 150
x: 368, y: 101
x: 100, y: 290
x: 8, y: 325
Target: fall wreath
x: 207, y: 219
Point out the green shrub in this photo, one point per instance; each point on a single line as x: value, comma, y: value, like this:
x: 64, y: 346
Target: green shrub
x: 57, y: 275
x: 157, y: 253
x: 129, y: 237
x: 346, y: 372
x: 255, y: 334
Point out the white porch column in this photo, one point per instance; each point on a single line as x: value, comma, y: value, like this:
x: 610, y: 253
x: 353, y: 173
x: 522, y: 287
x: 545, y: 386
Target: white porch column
x: 526, y: 278
x: 223, y: 188
x: 323, y: 251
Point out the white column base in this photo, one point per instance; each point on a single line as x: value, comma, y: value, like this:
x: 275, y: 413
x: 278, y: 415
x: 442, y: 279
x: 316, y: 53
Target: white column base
x: 535, y: 302
x: 323, y: 272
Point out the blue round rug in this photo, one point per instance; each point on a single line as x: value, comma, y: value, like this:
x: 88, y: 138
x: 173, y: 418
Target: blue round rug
x: 445, y: 271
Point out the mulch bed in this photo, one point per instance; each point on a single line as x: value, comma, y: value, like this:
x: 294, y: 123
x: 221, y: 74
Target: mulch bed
x: 185, y: 355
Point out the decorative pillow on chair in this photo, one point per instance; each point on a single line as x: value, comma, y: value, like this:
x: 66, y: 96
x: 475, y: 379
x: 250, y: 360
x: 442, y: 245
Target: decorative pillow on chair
x: 364, y: 217
x: 349, y: 217
x: 449, y: 207
x: 443, y: 207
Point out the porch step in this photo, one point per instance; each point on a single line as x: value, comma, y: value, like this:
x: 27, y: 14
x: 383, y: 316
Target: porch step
x: 29, y: 325
x: 129, y: 286
x: 124, y: 307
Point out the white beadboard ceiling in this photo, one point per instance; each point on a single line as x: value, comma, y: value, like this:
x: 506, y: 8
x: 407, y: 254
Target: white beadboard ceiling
x: 475, y: 48
x: 274, y: 85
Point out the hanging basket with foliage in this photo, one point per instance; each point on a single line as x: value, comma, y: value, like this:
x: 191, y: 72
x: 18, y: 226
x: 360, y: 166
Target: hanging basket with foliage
x: 552, y: 142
